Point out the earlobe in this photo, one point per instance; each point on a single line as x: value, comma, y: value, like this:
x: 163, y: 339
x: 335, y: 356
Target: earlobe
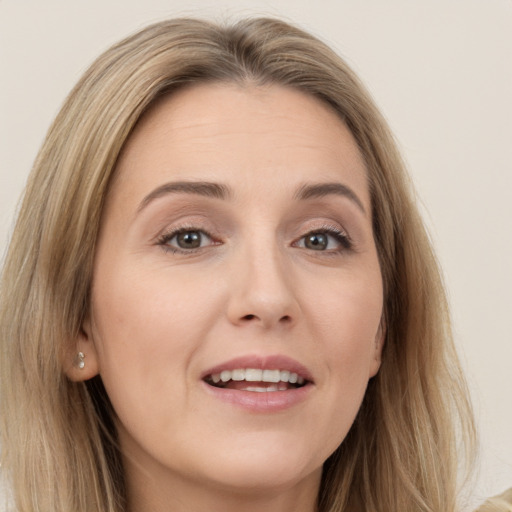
x: 377, y: 348
x: 81, y: 358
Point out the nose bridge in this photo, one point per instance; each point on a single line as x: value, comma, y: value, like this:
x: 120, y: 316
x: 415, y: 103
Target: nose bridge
x: 263, y: 290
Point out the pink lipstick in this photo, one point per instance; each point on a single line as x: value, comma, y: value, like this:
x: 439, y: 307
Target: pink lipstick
x: 259, y: 384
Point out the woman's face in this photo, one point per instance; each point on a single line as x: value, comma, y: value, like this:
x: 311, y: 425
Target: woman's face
x: 237, y: 295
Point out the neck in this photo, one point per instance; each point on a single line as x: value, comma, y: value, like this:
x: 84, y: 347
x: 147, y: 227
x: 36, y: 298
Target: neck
x: 173, y: 493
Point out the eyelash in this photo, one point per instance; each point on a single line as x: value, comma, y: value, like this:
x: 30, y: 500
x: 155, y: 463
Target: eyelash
x: 340, y: 236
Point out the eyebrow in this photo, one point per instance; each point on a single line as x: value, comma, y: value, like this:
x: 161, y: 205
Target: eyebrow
x: 220, y: 191
x: 319, y: 190
x: 201, y: 188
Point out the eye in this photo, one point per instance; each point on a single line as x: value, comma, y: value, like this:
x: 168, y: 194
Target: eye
x: 184, y: 240
x: 325, y: 240
x: 316, y: 241
x: 188, y: 239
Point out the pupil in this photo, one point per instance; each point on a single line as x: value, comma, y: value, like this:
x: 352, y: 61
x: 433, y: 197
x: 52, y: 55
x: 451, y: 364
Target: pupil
x: 189, y: 240
x: 316, y: 241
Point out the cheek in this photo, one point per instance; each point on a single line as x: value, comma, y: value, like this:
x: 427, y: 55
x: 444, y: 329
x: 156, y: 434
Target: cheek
x: 158, y: 306
x: 348, y: 312
x: 347, y: 318
x: 147, y: 326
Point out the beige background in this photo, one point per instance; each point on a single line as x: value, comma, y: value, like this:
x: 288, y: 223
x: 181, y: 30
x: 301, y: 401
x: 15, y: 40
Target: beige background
x: 441, y: 71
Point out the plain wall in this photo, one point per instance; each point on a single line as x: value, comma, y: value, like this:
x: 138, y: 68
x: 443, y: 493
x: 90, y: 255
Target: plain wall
x: 441, y: 72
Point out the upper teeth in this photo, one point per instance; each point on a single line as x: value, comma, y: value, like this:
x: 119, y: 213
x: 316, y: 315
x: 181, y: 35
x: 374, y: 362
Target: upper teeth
x: 256, y: 375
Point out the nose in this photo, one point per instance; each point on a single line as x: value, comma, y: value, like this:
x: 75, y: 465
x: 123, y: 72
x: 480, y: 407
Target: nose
x: 262, y: 290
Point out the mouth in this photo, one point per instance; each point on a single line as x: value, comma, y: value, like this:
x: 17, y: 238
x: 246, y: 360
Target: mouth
x: 260, y: 384
x: 256, y: 380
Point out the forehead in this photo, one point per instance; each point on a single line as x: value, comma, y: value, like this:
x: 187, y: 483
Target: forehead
x: 228, y: 132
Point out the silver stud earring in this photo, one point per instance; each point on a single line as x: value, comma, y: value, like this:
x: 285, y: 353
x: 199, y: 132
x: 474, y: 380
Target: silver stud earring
x: 79, y: 360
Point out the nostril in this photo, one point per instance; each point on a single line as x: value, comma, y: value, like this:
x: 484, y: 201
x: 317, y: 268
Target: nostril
x: 285, y: 319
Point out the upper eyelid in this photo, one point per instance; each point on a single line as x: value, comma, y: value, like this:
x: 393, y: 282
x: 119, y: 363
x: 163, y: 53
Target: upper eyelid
x: 204, y: 224
x: 187, y: 222
x: 320, y: 225
x: 171, y: 233
x: 220, y: 225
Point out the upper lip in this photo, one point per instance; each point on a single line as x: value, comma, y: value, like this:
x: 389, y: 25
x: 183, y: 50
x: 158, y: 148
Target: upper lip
x: 270, y: 362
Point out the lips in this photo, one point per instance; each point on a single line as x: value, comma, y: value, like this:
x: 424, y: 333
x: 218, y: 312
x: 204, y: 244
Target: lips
x: 259, y: 383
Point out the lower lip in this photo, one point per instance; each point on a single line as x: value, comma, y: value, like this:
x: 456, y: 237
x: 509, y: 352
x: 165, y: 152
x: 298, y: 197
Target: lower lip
x: 265, y: 402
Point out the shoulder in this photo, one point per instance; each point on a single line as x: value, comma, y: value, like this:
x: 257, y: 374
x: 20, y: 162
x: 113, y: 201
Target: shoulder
x: 501, y: 503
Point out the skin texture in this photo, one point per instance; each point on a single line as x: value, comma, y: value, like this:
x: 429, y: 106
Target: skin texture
x: 162, y: 316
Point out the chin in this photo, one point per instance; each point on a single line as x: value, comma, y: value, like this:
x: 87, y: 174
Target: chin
x: 269, y: 478
x: 264, y: 465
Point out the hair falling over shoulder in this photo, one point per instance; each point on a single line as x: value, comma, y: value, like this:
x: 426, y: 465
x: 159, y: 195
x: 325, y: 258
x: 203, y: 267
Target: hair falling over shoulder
x: 414, y: 431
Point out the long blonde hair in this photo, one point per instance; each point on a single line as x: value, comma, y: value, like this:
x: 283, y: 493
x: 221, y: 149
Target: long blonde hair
x: 58, y: 440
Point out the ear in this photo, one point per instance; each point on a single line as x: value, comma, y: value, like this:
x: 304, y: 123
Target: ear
x: 377, y: 349
x: 81, y: 357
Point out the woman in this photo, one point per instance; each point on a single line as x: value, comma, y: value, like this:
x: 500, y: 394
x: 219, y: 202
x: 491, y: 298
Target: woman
x: 219, y: 293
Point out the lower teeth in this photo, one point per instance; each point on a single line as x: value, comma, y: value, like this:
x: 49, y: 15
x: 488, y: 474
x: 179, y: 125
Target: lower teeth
x: 264, y: 390
x: 280, y: 386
